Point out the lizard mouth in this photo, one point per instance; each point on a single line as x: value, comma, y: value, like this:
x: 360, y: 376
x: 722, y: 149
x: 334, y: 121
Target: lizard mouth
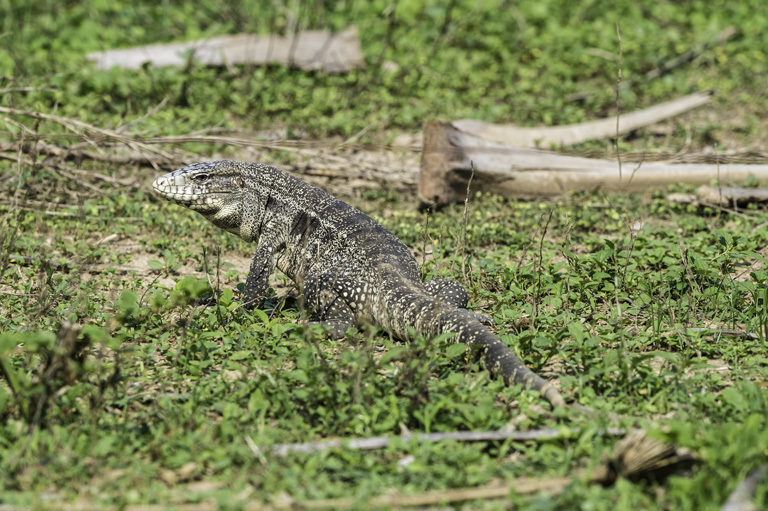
x: 186, y: 195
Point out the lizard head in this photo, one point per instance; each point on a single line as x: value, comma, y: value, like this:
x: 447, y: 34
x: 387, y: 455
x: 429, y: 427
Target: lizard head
x: 213, y: 189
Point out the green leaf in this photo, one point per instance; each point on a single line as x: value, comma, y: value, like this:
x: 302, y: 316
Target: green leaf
x: 154, y: 264
x: 672, y: 357
x: 567, y: 253
x: 394, y: 353
x: 128, y: 303
x: 9, y: 341
x: 95, y: 333
x: 226, y: 297
x: 158, y: 300
x: 241, y: 355
x: 189, y: 288
x: 261, y: 315
x: 455, y: 349
x: 577, y: 331
x: 298, y: 375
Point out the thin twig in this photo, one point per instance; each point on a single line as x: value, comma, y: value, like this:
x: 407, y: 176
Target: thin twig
x: 79, y: 154
x: 255, y: 450
x: 618, y: 102
x: 465, y: 214
x: 150, y: 112
x: 381, y: 442
x: 388, y: 37
x: 27, y: 89
x: 739, y: 334
x: 80, y: 127
x: 539, y: 262
x: 444, y: 28
x: 335, y: 165
x: 90, y: 268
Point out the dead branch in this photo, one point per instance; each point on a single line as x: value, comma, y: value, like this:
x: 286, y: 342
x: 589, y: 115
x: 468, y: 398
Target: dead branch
x: 523, y: 172
x: 309, y: 50
x: 381, y: 442
x: 576, y: 133
x: 738, y: 334
x: 67, y: 266
x: 731, y: 196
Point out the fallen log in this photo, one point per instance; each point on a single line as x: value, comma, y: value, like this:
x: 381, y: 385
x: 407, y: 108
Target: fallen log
x: 570, y: 134
x: 731, y: 196
x: 309, y: 50
x: 450, y: 156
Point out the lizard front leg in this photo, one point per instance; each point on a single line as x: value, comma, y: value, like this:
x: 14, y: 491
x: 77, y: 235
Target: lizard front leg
x: 257, y: 283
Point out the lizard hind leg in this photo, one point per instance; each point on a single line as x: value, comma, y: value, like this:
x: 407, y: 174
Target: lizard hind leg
x: 452, y: 293
x: 448, y: 291
x: 331, y: 301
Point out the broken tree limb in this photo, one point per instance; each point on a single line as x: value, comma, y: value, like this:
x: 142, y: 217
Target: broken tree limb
x: 308, y: 50
x: 448, y: 155
x: 575, y: 133
x: 731, y: 195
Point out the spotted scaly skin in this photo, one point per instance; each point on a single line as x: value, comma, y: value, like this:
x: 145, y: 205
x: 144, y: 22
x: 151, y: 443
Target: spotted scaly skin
x: 348, y: 268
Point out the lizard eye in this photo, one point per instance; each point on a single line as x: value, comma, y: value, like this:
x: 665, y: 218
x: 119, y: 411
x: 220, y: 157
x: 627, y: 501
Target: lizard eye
x: 200, y: 178
x: 239, y: 181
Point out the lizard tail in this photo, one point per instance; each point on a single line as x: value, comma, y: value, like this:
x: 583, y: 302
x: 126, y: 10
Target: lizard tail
x: 411, y: 306
x: 498, y: 358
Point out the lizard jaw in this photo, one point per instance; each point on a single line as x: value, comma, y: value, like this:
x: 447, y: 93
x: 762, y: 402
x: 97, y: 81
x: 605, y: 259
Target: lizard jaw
x: 177, y: 188
x: 221, y: 208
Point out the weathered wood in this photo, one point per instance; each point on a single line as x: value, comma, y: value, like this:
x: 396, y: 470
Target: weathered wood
x: 730, y: 195
x: 448, y: 155
x: 569, y: 134
x: 743, y: 496
x: 310, y: 50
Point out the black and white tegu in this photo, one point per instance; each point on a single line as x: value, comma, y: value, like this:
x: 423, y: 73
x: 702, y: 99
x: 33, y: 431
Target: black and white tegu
x: 349, y: 269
